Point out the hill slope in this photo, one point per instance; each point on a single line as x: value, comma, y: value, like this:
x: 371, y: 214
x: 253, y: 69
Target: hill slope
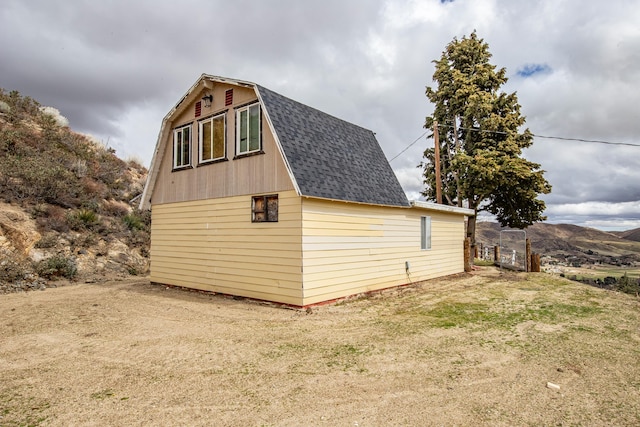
x: 563, y: 240
x: 631, y: 235
x: 64, y: 201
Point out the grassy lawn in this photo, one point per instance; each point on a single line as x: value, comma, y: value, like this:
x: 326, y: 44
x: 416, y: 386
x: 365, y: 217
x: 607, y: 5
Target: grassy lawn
x: 477, y: 349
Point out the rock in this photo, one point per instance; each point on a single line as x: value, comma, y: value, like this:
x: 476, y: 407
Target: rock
x: 553, y: 386
x: 17, y: 230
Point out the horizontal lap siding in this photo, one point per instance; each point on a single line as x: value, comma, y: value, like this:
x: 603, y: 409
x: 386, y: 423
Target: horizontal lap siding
x: 349, y: 248
x: 213, y: 245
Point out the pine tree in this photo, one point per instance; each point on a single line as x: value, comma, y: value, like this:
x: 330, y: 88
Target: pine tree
x: 481, y: 143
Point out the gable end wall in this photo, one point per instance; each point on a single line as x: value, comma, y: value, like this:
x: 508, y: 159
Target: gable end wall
x: 256, y: 174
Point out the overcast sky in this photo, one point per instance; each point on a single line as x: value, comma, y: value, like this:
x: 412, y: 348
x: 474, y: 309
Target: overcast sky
x: 115, y: 68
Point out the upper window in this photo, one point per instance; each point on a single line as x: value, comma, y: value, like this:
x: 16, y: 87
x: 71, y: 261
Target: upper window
x: 248, y: 138
x: 182, y: 147
x: 212, y: 135
x: 425, y: 232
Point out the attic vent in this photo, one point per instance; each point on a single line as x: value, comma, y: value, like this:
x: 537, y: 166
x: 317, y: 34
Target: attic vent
x: 228, y: 97
x: 198, y: 108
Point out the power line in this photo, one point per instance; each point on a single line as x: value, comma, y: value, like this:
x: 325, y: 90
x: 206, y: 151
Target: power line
x: 628, y: 144
x: 408, y: 146
x: 548, y: 137
x: 596, y: 141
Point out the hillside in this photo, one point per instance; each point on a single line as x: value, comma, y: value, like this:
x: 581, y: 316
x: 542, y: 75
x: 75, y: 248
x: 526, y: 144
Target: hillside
x: 65, y: 202
x: 567, y: 240
x: 631, y: 235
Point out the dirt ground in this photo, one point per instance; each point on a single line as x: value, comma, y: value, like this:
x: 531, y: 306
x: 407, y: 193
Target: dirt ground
x: 475, y: 349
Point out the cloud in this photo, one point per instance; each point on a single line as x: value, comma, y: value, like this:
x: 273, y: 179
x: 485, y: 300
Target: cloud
x: 625, y: 209
x: 602, y: 215
x: 114, y: 69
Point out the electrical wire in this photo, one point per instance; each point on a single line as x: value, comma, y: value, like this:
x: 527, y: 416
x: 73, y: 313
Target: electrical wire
x: 587, y: 140
x: 408, y: 146
x: 548, y: 137
x: 596, y: 141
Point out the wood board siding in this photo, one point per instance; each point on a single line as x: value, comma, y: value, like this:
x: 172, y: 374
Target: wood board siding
x: 245, y: 175
x: 213, y: 245
x: 349, y: 248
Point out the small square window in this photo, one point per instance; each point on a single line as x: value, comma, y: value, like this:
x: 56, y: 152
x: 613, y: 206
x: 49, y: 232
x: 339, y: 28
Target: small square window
x: 264, y: 208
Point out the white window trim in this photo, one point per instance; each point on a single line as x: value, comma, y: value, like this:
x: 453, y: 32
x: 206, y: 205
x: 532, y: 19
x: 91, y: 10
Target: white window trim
x: 200, y: 133
x: 425, y: 233
x: 238, y: 124
x: 176, y: 131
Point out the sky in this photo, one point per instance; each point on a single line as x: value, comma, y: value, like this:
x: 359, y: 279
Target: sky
x: 114, y: 69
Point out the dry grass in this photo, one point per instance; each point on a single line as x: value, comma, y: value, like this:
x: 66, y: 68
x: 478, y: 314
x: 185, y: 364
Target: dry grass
x: 473, y: 350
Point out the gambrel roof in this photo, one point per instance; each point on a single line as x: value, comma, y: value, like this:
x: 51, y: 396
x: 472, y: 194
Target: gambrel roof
x: 327, y: 157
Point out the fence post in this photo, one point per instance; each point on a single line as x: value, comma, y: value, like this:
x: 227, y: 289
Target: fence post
x: 467, y: 254
x: 496, y: 253
x: 535, y: 263
x: 527, y: 255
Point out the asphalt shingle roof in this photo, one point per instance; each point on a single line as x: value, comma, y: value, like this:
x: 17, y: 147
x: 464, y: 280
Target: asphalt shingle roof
x: 329, y: 157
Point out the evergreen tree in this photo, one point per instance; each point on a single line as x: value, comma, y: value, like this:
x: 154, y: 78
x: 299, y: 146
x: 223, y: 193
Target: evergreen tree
x: 481, y: 144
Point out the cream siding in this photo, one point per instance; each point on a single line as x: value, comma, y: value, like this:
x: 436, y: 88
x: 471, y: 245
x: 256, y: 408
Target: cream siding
x: 349, y: 248
x: 213, y: 245
x: 202, y: 236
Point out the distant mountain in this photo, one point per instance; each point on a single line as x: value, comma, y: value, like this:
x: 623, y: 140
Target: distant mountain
x: 631, y: 234
x: 567, y: 240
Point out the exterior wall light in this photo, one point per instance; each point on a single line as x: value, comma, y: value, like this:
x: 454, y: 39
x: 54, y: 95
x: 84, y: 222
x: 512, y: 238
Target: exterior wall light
x: 208, y: 99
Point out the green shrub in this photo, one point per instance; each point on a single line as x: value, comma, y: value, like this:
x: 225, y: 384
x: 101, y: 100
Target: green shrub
x: 110, y: 170
x: 19, y: 106
x: 39, y: 179
x: 83, y: 219
x: 11, y: 269
x: 50, y: 217
x: 628, y: 285
x: 136, y: 221
x: 115, y: 208
x: 57, y: 266
x: 48, y: 240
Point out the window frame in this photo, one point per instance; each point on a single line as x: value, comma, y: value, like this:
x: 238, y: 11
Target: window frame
x: 239, y: 123
x: 178, y: 147
x: 265, y: 210
x: 201, y: 123
x: 425, y: 233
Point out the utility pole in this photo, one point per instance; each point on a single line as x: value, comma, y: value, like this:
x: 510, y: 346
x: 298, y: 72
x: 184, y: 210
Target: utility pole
x: 436, y: 139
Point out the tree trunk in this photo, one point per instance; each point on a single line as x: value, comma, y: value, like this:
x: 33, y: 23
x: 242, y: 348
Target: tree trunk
x: 471, y: 229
